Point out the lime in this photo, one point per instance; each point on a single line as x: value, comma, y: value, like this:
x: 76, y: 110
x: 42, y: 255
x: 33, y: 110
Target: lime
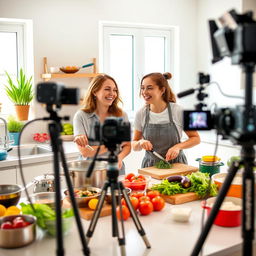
x: 93, y: 203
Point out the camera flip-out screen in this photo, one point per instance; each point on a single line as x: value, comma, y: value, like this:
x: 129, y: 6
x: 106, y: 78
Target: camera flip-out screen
x: 197, y: 120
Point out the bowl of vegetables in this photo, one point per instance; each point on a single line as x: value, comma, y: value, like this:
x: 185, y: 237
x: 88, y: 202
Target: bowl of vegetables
x: 46, y: 217
x: 83, y: 195
x: 135, y: 182
x: 17, y: 230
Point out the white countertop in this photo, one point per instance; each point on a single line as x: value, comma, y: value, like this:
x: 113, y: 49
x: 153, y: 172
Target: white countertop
x: 166, y: 237
x: 69, y: 147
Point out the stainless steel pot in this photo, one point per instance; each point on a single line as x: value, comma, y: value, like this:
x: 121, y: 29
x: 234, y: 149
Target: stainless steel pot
x: 79, y: 168
x: 44, y: 183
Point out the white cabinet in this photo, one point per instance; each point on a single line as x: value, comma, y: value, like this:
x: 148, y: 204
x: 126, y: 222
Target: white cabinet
x: 8, y: 176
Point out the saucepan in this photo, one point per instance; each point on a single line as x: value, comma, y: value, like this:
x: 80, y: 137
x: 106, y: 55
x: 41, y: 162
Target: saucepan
x: 74, y: 69
x: 78, y: 170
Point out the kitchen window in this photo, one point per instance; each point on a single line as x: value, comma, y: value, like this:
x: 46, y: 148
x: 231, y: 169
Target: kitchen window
x: 129, y: 51
x: 16, y: 51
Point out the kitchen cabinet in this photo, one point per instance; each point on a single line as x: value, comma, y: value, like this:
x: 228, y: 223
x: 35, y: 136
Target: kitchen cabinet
x: 47, y: 75
x: 8, y: 176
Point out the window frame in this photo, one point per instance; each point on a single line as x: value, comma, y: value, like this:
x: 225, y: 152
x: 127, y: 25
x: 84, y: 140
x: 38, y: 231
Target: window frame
x: 139, y: 31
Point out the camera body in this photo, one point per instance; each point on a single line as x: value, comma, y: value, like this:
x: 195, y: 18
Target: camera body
x: 112, y: 132
x: 53, y: 93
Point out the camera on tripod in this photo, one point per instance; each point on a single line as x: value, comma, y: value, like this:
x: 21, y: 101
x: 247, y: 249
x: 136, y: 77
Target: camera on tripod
x: 112, y: 132
x: 237, y: 39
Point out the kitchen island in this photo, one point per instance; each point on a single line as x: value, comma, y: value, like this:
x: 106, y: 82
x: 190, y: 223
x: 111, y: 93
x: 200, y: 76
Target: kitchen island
x: 166, y: 237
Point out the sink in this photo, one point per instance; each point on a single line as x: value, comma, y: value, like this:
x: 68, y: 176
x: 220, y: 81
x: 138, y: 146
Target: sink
x: 30, y: 150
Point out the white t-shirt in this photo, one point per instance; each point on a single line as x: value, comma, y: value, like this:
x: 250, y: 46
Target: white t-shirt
x: 160, y: 118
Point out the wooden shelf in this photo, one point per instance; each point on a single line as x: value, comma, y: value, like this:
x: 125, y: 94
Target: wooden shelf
x: 47, y: 76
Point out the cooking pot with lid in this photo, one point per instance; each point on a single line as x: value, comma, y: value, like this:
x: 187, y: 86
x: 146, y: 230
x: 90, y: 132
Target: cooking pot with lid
x: 44, y: 183
x: 209, y: 164
x: 78, y: 170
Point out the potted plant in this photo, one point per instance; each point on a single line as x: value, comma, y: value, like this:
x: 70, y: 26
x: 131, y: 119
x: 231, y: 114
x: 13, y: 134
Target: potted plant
x: 21, y: 94
x: 14, y: 127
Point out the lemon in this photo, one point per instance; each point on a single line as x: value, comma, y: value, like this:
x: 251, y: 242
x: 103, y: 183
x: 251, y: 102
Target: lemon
x: 93, y: 203
x: 2, y: 210
x: 12, y: 210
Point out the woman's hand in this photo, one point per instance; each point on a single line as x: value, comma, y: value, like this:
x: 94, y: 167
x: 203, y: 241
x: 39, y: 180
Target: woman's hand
x: 81, y: 140
x: 172, y: 153
x: 145, y: 144
x: 120, y: 164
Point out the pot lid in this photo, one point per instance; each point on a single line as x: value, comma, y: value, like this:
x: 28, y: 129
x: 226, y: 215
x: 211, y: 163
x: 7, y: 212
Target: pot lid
x: 45, y: 177
x: 210, y: 158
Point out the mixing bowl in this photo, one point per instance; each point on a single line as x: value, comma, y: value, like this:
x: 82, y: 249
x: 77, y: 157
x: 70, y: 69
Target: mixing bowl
x: 9, y: 194
x: 228, y: 217
x: 44, y: 198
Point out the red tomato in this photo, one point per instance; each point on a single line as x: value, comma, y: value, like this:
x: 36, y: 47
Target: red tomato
x: 129, y: 176
x: 138, y: 184
x: 6, y: 225
x: 125, y: 211
x: 158, y: 203
x: 134, y: 201
x: 145, y: 207
x: 137, y: 194
x: 153, y: 193
x: 142, y: 177
x: 144, y: 198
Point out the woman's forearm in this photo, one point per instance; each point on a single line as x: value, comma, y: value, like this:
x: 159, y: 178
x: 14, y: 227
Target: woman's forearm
x: 126, y: 149
x: 136, y: 145
x: 87, y: 152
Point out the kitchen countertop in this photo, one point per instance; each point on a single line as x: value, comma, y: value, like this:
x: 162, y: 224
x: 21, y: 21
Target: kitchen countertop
x: 166, y: 237
x: 69, y: 147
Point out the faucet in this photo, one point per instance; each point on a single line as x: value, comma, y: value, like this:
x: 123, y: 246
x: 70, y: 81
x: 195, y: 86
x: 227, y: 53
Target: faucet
x: 6, y: 138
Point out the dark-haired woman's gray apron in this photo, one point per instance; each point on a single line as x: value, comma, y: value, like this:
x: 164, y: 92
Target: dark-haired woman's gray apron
x: 162, y: 137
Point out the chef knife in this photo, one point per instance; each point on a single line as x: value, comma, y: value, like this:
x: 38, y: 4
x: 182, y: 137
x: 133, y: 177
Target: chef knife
x: 159, y: 156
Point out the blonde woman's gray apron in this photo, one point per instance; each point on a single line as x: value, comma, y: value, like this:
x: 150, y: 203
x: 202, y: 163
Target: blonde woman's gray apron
x: 93, y: 119
x: 162, y: 137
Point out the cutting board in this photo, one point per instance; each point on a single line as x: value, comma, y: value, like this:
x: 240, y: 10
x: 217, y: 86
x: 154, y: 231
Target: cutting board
x: 86, y: 213
x: 180, y: 198
x: 176, y: 169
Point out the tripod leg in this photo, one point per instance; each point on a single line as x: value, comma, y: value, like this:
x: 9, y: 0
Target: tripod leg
x: 248, y: 201
x: 214, y: 211
x: 97, y: 212
x: 86, y: 250
x: 134, y: 216
x: 53, y: 130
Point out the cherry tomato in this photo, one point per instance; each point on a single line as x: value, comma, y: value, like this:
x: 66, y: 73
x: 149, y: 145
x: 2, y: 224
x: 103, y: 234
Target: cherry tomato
x: 142, y: 177
x: 125, y: 211
x: 6, y: 225
x: 153, y: 193
x: 129, y: 176
x: 158, y: 203
x: 137, y: 194
x: 144, y: 198
x: 145, y: 207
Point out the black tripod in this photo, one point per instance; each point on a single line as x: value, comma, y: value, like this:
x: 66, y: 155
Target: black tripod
x: 116, y: 188
x: 57, y: 148
x: 247, y: 139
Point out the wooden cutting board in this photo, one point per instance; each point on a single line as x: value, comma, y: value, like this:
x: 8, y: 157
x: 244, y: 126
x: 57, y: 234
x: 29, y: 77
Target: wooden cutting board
x: 180, y: 198
x: 86, y: 213
x: 176, y: 169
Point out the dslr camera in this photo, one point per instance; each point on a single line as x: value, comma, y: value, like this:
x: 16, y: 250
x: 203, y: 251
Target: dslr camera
x: 236, y: 39
x: 112, y: 132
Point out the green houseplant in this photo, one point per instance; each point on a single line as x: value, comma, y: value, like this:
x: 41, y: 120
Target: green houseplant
x: 14, y: 128
x: 21, y: 94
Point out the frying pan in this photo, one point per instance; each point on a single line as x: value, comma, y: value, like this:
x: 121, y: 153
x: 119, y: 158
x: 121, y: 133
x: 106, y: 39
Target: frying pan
x: 74, y: 69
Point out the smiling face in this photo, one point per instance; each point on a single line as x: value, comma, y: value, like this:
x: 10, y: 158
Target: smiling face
x: 151, y: 92
x: 107, y: 93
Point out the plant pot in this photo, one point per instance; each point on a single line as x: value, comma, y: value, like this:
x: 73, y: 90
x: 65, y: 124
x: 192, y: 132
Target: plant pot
x: 22, y: 112
x: 14, y: 136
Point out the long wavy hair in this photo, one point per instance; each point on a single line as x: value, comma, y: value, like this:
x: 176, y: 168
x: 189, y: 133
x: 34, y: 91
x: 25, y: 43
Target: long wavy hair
x: 89, y: 102
x: 161, y: 81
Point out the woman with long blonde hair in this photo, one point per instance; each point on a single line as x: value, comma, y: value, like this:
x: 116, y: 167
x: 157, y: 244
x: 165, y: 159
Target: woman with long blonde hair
x: 102, y: 100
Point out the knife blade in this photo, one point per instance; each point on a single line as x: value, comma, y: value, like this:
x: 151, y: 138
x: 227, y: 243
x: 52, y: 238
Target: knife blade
x: 159, y: 156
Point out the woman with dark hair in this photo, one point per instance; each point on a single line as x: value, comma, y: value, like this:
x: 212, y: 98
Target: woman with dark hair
x: 102, y: 100
x: 158, y: 124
